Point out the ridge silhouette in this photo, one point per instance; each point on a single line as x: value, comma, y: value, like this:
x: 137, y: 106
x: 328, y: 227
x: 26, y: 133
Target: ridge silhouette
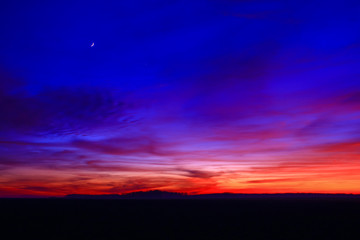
x: 158, y: 194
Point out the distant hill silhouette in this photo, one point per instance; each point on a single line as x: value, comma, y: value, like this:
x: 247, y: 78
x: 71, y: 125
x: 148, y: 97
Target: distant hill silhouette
x: 157, y: 194
x: 153, y: 194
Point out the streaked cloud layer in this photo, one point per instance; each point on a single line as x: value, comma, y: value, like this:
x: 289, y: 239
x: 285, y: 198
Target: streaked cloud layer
x: 212, y: 96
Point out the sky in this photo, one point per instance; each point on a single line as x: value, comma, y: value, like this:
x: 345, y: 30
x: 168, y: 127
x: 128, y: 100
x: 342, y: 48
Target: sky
x: 205, y: 96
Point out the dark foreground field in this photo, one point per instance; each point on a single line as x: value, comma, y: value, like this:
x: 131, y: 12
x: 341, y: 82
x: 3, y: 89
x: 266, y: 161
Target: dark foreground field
x: 180, y: 219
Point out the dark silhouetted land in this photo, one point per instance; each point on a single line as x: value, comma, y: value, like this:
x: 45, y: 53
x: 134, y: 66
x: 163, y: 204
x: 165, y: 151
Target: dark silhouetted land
x: 157, y: 194
x: 145, y: 215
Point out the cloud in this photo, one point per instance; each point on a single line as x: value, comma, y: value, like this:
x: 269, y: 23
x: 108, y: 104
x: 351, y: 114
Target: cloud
x: 135, y: 184
x: 38, y: 189
x: 272, y: 180
x: 199, y: 174
x: 120, y: 146
x: 340, y: 147
x: 60, y: 111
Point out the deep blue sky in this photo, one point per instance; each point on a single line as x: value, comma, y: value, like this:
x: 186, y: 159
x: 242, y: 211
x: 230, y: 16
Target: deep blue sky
x: 141, y: 43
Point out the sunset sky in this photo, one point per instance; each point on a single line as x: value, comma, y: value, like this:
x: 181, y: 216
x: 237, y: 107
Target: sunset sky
x: 200, y: 96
